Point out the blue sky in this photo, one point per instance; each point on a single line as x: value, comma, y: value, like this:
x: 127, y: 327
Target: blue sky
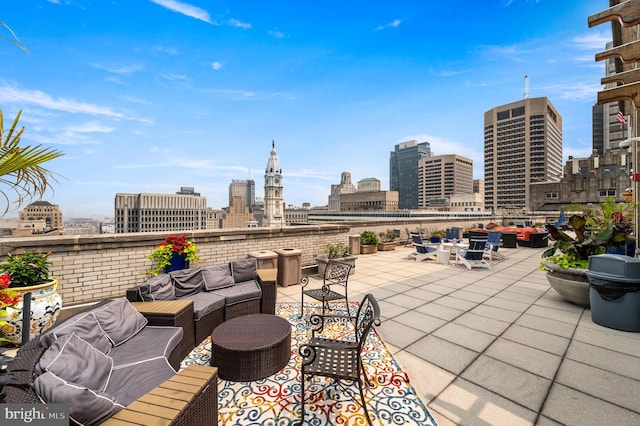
x: 152, y: 95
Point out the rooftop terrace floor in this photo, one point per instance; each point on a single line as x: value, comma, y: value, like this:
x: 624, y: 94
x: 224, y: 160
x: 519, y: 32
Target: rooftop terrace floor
x: 498, y: 346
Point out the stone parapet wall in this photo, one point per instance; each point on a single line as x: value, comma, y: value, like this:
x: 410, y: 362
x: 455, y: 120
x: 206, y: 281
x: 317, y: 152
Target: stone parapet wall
x: 94, y: 267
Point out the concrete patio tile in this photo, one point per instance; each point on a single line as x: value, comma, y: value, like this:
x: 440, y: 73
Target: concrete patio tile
x: 481, y: 289
x: 495, y: 313
x: 390, y: 310
x: 439, y: 311
x: 507, y: 304
x: 423, y: 294
x: 537, y: 339
x: 571, y: 407
x: 398, y: 334
x: 480, y: 323
x: 601, y: 384
x: 528, y: 358
x: 522, y: 387
x: 396, y: 287
x: 545, y: 421
x: 381, y: 293
x: 556, y: 314
x: 558, y: 328
x: 465, y: 403
x: 604, y: 358
x: 449, y: 356
x: 517, y: 297
x: 428, y: 379
x: 437, y: 288
x: 621, y: 341
x: 419, y: 321
x: 455, y: 303
x: 469, y: 296
x: 464, y: 336
x: 405, y: 301
x: 526, y: 291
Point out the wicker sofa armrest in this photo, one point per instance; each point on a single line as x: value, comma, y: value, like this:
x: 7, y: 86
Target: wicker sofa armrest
x: 269, y: 293
x: 188, y: 398
x: 133, y: 295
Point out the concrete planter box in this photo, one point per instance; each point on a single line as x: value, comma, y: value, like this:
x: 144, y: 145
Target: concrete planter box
x: 572, y: 284
x: 368, y: 249
x: 322, y: 263
x: 390, y: 245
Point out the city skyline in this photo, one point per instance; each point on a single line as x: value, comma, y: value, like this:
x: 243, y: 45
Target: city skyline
x: 150, y: 96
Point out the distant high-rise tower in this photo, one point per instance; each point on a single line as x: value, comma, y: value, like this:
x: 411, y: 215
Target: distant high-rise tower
x: 273, y: 198
x: 522, y: 145
x: 245, y: 189
x: 345, y: 187
x: 403, y: 171
x: 442, y: 176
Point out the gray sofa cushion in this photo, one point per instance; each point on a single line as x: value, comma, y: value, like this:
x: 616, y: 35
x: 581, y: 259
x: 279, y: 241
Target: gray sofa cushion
x: 76, y: 361
x: 119, y: 320
x: 150, y: 342
x: 187, y: 281
x: 157, y: 288
x: 204, y: 303
x: 130, y: 381
x: 240, y: 292
x: 86, y: 407
x: 244, y: 269
x: 218, y: 276
x: 85, y: 326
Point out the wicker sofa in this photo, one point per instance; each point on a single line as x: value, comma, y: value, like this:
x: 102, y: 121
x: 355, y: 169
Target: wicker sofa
x: 102, y: 361
x: 218, y: 292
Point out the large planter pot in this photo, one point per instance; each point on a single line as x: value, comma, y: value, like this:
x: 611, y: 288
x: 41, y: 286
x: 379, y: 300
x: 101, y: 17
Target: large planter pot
x: 322, y: 263
x: 45, y: 307
x: 390, y: 245
x: 572, y: 284
x: 368, y: 248
x: 178, y: 262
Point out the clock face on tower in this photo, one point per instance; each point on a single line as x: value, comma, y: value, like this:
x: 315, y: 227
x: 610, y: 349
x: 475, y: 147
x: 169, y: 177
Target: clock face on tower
x: 277, y: 180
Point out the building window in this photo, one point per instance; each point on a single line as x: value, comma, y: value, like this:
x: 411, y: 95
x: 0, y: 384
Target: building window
x: 550, y: 195
x: 607, y: 192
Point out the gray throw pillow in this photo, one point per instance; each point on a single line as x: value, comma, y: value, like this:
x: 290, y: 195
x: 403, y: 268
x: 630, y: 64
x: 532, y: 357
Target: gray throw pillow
x: 86, y: 406
x: 157, y: 288
x: 119, y: 320
x: 216, y: 277
x: 85, y: 326
x: 244, y: 269
x: 76, y: 361
x: 187, y: 281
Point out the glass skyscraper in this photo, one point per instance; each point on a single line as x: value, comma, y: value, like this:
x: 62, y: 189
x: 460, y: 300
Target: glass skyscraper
x: 403, y: 171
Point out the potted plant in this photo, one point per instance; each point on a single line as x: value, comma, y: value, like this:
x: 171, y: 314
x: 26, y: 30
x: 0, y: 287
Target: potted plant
x: 22, y: 273
x: 368, y: 242
x: 438, y: 235
x: 593, y: 232
x: 338, y: 251
x: 387, y: 240
x: 466, y: 232
x: 174, y: 253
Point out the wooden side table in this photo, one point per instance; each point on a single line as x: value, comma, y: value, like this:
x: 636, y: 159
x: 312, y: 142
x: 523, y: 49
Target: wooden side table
x: 175, y: 313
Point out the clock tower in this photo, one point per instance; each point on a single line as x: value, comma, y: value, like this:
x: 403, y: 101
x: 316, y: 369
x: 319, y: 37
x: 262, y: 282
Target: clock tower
x: 273, y: 198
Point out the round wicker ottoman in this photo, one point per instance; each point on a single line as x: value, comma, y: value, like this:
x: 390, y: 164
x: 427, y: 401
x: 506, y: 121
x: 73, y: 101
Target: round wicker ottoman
x: 251, y: 347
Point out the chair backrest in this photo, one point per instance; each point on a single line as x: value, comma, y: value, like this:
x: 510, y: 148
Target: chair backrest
x: 477, y: 244
x: 415, y: 238
x: 452, y: 234
x: 368, y: 315
x: 337, y: 273
x: 493, y: 239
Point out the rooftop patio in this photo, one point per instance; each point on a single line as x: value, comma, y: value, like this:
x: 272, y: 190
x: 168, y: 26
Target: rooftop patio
x: 498, y: 346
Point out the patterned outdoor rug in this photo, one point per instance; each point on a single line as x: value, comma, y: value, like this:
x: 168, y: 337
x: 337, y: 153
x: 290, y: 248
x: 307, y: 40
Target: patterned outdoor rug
x: 275, y: 400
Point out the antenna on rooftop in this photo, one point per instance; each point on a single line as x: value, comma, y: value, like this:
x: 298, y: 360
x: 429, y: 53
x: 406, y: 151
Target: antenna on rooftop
x: 526, y: 86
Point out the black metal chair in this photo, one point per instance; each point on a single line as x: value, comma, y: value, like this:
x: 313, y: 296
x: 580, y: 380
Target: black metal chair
x: 336, y: 277
x: 339, y: 359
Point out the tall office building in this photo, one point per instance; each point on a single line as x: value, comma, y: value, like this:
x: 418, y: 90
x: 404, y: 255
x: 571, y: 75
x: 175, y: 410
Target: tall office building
x: 403, y: 171
x: 522, y: 145
x: 273, y: 197
x: 345, y: 187
x: 442, y: 176
x: 245, y: 189
x: 182, y: 211
x: 608, y: 131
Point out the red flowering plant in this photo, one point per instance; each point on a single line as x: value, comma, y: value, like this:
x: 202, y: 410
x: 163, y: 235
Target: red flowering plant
x: 8, y: 299
x: 161, y: 255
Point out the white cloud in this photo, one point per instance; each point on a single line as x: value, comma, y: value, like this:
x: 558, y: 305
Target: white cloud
x: 122, y: 70
x: 393, y: 24
x: 216, y: 65
x: 593, y: 40
x: 185, y: 9
x: 238, y: 24
x: 276, y: 34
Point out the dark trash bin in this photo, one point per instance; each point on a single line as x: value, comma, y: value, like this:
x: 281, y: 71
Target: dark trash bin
x: 614, y: 291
